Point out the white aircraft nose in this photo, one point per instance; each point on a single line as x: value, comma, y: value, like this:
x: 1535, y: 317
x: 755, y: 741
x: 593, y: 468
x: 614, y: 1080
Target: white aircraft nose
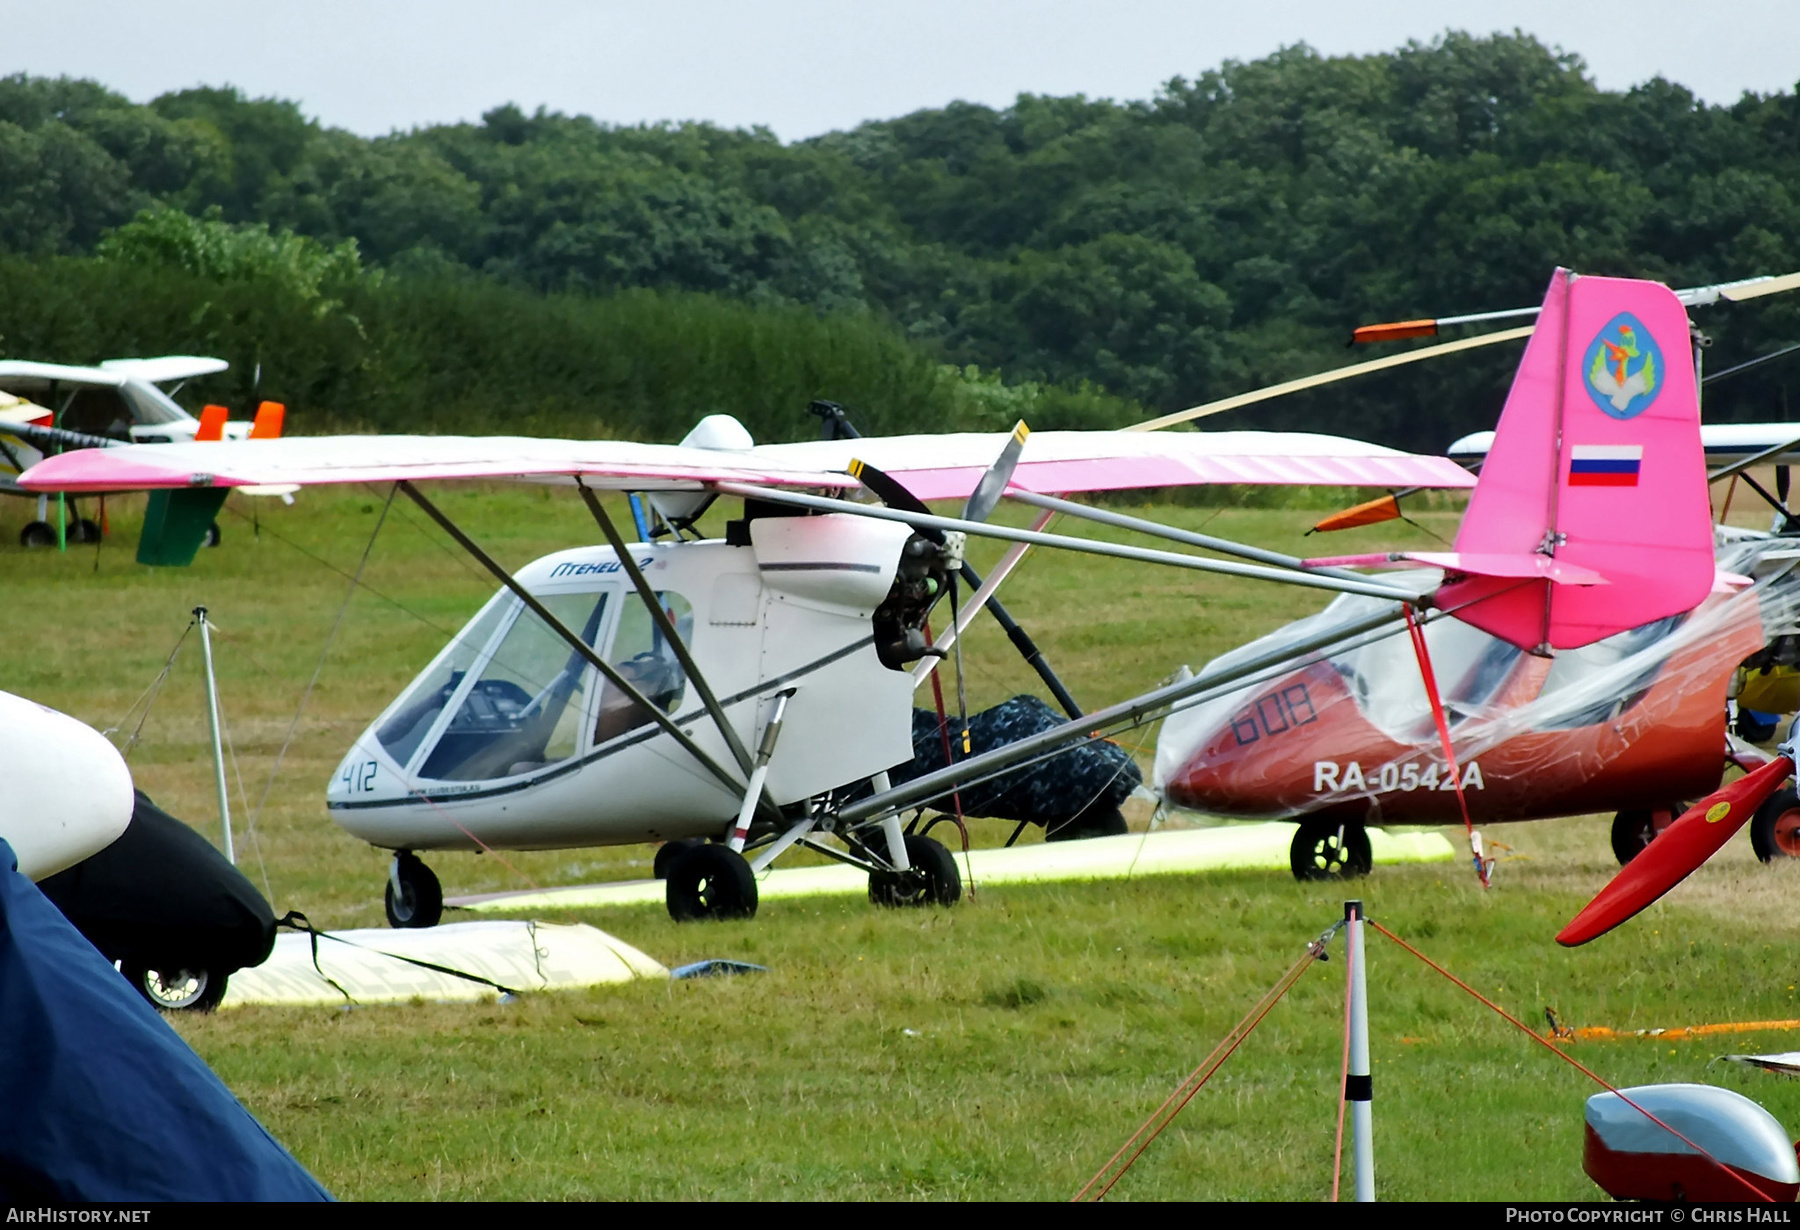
x: 65, y: 792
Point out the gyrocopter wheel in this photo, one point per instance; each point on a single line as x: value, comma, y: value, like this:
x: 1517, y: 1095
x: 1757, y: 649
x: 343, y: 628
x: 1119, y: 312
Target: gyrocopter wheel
x: 1330, y: 850
x: 1775, y: 829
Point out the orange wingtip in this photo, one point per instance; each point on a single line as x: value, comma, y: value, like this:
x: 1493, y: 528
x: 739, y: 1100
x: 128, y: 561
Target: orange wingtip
x: 269, y: 417
x: 1394, y: 331
x: 1386, y: 508
x: 212, y: 423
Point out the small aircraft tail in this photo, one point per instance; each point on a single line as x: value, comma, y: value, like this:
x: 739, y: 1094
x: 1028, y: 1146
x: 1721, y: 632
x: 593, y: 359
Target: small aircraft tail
x: 1591, y: 515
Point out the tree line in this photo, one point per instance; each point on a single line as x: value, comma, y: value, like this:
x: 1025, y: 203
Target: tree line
x: 1089, y: 261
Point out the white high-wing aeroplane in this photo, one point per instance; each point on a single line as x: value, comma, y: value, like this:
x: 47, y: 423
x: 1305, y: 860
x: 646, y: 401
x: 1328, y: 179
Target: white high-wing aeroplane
x: 49, y: 407
x: 747, y: 689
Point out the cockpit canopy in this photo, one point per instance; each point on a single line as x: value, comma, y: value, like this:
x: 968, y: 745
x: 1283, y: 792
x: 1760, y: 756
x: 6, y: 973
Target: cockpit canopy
x: 509, y: 696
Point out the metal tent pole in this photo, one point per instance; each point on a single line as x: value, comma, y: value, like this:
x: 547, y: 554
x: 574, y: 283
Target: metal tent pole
x: 212, y: 713
x: 1358, y: 1089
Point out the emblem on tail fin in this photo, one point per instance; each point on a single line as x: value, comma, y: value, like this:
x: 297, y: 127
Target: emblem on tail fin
x: 1624, y: 367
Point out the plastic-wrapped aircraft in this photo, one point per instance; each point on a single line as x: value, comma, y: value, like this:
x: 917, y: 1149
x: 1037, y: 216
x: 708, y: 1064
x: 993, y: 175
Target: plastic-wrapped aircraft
x: 756, y: 689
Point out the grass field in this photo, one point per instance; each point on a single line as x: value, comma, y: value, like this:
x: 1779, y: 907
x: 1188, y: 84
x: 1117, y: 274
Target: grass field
x: 1002, y: 1049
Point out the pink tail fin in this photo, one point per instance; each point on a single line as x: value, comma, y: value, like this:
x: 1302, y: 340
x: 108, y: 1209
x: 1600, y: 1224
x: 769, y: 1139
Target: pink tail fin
x: 1597, y: 463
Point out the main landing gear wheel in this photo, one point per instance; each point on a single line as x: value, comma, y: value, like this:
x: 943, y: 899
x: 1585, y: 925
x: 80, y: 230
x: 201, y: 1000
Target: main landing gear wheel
x: 37, y: 534
x: 932, y: 880
x: 176, y: 989
x: 1775, y: 829
x: 1633, y: 830
x: 420, y: 899
x: 669, y: 851
x: 83, y: 531
x: 711, y: 881
x: 213, y: 536
x: 1330, y: 850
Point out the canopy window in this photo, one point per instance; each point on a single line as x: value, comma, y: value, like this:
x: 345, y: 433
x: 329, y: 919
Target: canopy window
x: 644, y: 656
x: 419, y: 707
x: 526, y: 710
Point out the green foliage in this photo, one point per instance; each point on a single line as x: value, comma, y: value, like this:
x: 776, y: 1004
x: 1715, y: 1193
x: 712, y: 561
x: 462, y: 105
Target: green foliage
x: 219, y: 251
x: 1225, y: 234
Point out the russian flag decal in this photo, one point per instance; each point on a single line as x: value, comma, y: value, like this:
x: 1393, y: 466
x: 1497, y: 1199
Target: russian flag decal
x: 1605, y: 465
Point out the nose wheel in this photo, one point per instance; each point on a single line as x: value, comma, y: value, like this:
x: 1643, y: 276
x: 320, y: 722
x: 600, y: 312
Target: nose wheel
x: 414, y: 896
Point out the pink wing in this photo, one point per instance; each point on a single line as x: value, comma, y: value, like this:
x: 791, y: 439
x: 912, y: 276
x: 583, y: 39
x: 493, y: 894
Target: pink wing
x: 933, y: 467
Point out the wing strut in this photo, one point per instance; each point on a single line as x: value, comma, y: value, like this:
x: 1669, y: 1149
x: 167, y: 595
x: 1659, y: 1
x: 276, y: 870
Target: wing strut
x: 667, y: 626
x: 1122, y: 716
x: 580, y: 646
x: 1311, y: 579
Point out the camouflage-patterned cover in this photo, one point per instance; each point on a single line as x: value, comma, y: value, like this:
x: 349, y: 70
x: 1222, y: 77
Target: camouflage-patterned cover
x: 1049, y: 791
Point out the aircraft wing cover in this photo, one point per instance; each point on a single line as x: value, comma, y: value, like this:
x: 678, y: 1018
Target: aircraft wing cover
x: 932, y: 467
x: 1597, y: 462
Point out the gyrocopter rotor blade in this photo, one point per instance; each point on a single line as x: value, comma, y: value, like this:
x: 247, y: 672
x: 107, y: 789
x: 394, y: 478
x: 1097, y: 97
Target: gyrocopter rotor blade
x: 1677, y: 852
x: 1694, y: 296
x: 1331, y: 377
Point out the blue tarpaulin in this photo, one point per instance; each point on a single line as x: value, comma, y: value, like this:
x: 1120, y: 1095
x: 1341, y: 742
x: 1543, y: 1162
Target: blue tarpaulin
x: 99, y: 1098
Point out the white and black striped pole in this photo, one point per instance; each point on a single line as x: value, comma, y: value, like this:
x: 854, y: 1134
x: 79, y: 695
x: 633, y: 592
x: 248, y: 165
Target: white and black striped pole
x: 1357, y: 1086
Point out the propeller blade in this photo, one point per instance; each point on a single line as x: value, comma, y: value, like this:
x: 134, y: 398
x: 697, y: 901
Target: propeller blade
x: 992, y: 486
x: 1677, y: 851
x: 888, y: 489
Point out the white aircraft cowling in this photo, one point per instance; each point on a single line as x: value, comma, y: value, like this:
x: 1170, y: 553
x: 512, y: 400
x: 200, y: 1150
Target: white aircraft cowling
x: 68, y: 793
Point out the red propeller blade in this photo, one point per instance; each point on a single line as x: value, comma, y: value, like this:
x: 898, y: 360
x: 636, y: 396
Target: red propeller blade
x: 1676, y: 852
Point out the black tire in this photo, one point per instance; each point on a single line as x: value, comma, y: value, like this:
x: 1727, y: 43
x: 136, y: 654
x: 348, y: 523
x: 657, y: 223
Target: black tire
x: 83, y: 531
x: 710, y: 881
x: 1097, y: 820
x: 37, y: 534
x: 932, y: 880
x: 175, y: 988
x: 669, y: 851
x: 1330, y: 850
x: 1752, y: 731
x: 1775, y: 829
x: 1632, y: 833
x: 1633, y: 830
x: 213, y: 536
x: 421, y: 899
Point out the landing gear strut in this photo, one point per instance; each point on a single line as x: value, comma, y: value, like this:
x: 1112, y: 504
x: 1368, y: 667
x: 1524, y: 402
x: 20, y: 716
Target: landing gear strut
x: 414, y: 896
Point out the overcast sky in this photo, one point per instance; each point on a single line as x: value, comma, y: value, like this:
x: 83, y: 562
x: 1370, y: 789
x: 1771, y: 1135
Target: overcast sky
x: 803, y: 67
